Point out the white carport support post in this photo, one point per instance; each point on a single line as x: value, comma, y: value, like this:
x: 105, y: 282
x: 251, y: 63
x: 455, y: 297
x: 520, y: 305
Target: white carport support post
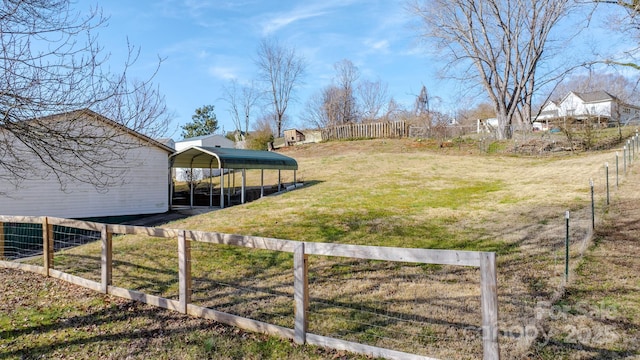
x: 229, y: 185
x: 261, y: 183
x: 221, y: 188
x: 170, y: 185
x: 244, y: 184
x: 191, y: 182
x: 210, y: 184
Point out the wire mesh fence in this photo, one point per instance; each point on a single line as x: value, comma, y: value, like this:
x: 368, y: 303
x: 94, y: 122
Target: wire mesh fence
x: 251, y: 283
x: 423, y: 309
x: 145, y: 264
x: 68, y: 259
x: 21, y: 241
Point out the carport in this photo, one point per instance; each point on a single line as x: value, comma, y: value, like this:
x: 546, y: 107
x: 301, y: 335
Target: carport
x: 225, y: 160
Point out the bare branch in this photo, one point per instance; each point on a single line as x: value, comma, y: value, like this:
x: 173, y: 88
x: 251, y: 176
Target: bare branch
x: 501, y: 44
x: 282, y: 70
x: 51, y: 63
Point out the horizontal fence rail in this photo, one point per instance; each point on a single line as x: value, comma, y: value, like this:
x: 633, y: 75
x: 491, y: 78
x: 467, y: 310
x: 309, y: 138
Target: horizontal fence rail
x: 485, y: 261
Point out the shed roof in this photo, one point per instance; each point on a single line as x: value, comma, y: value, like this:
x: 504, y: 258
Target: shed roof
x: 225, y: 158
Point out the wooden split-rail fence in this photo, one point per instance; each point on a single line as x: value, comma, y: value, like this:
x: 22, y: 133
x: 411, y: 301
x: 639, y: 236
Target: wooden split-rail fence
x: 486, y: 261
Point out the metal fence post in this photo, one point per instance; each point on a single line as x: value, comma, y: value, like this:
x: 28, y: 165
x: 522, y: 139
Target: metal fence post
x: 566, y: 248
x: 617, y: 175
x: 606, y: 171
x: 593, y: 207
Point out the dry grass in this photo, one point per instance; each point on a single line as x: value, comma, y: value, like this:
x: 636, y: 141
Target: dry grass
x: 599, y: 317
x: 398, y: 194
x: 393, y: 193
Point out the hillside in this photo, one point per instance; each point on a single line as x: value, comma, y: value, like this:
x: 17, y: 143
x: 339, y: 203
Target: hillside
x: 408, y: 193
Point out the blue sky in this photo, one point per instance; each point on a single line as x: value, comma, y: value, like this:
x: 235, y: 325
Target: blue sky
x: 205, y: 44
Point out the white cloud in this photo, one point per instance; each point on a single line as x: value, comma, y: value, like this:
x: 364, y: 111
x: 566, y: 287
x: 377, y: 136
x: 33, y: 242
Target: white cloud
x: 223, y: 72
x: 285, y: 19
x: 377, y: 45
x: 303, y: 12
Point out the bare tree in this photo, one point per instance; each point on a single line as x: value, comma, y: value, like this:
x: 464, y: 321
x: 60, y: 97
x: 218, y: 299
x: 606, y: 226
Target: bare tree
x: 373, y: 96
x: 282, y: 70
x: 334, y: 104
x: 343, y: 97
x: 51, y: 64
x: 314, y: 113
x: 242, y: 99
x: 395, y: 111
x: 502, y: 40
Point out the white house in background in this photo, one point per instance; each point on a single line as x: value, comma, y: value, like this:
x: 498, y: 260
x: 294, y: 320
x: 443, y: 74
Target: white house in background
x: 486, y: 125
x: 212, y: 140
x: 599, y: 105
x: 140, y: 187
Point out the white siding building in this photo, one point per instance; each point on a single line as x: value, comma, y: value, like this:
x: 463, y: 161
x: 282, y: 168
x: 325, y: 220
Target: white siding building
x: 141, y: 184
x: 599, y: 105
x: 212, y: 140
x: 206, y: 141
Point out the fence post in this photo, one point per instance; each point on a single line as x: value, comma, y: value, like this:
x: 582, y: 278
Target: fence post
x: 624, y: 158
x: 489, y: 303
x: 617, y: 175
x: 1, y: 241
x: 606, y: 172
x: 47, y: 245
x: 593, y: 207
x: 106, y: 258
x: 566, y: 248
x: 300, y: 293
x: 184, y: 270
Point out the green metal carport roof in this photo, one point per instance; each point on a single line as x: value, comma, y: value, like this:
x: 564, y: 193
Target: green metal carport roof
x: 226, y: 158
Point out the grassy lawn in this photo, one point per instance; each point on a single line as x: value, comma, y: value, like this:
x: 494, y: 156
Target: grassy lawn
x: 600, y: 315
x: 401, y: 193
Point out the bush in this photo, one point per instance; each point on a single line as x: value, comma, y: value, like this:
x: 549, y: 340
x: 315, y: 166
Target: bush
x: 259, y: 140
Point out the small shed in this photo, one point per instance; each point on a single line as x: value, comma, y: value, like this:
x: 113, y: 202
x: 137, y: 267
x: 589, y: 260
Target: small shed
x: 137, y: 163
x: 293, y: 136
x: 225, y: 159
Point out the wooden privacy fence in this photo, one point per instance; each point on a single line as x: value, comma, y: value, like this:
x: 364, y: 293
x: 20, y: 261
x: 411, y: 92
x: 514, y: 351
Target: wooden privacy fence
x: 486, y: 261
x: 394, y: 129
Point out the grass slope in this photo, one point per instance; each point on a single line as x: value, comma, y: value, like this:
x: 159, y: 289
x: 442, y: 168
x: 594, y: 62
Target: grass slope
x: 381, y: 192
x: 599, y: 318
